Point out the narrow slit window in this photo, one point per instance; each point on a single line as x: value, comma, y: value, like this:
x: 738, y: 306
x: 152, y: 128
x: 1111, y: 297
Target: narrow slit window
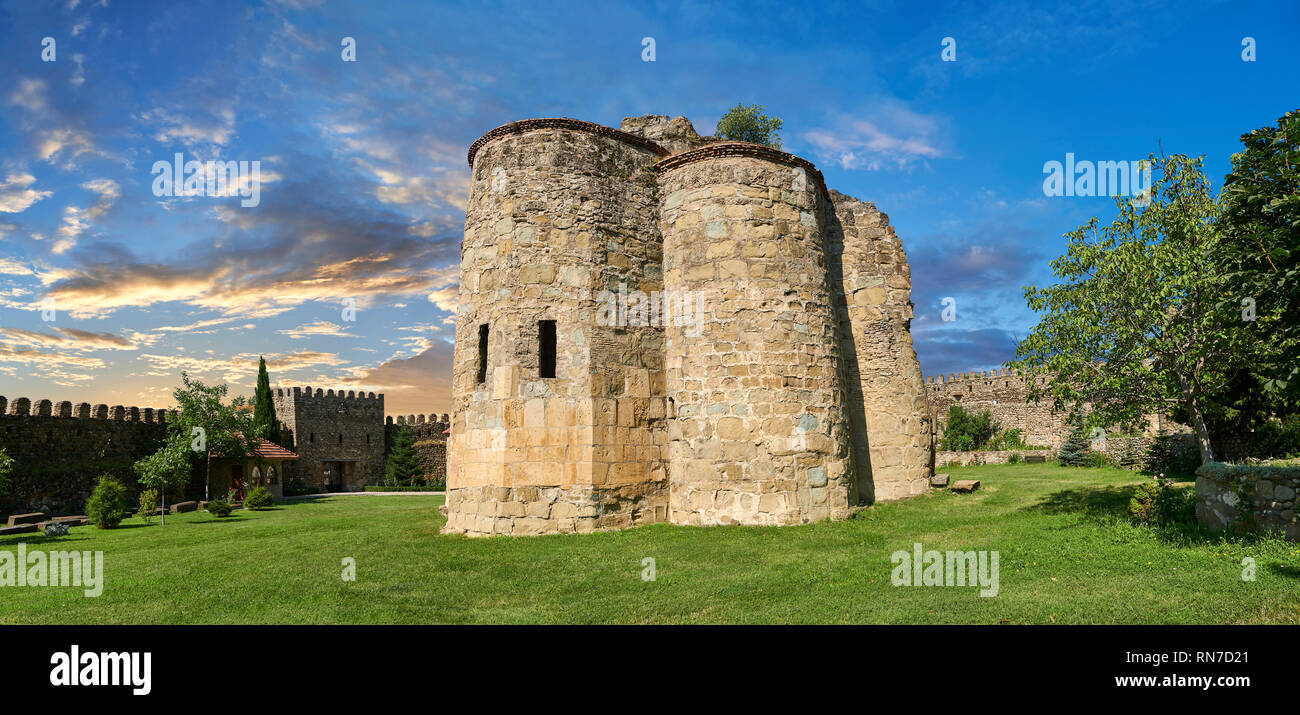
x: 546, y: 348
x: 482, y: 353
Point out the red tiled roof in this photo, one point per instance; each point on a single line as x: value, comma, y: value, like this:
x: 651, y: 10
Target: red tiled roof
x: 271, y: 450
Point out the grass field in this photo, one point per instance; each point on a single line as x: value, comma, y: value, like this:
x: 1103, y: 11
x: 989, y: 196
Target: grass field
x: 1068, y: 554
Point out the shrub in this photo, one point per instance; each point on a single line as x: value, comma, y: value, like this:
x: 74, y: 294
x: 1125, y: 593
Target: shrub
x: 219, y: 508
x: 258, y: 499
x: 1158, y: 503
x: 749, y: 124
x: 106, y: 507
x: 148, y: 503
x: 56, y: 529
x: 6, y: 468
x: 1013, y: 458
x: 966, y: 431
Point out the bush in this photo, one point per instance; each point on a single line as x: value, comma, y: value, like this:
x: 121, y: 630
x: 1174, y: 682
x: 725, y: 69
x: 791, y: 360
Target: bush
x: 258, y: 499
x: 148, y: 503
x: 1158, y: 503
x: 219, y: 508
x: 749, y: 124
x: 1013, y: 458
x: 966, y: 431
x: 106, y: 507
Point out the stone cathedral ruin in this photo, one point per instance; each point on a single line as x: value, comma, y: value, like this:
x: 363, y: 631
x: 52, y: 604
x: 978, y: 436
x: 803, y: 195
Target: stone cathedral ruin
x: 791, y: 393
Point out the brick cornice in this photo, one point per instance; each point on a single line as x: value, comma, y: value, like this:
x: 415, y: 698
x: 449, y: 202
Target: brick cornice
x: 576, y: 125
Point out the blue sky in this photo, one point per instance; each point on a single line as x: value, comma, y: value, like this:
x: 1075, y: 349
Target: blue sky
x: 364, y: 181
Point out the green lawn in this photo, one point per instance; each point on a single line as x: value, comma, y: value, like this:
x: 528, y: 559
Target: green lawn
x: 1067, y: 555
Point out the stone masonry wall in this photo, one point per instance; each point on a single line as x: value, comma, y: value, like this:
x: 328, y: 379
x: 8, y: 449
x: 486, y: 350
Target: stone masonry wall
x: 60, y: 450
x: 886, y: 397
x: 430, y: 443
x: 760, y: 435
x: 559, y: 210
x: 1002, y: 392
x: 324, y: 427
x: 1255, y: 499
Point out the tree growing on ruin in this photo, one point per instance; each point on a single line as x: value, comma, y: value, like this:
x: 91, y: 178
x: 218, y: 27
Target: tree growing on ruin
x: 1136, y: 325
x: 205, y: 426
x: 264, y: 408
x: 748, y: 124
x: 403, y: 468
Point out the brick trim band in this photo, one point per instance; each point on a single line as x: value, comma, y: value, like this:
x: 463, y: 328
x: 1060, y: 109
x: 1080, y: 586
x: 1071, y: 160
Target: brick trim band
x: 576, y: 125
x: 742, y: 149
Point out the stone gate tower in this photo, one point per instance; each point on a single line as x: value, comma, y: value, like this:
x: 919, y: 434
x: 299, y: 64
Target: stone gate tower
x: 774, y: 381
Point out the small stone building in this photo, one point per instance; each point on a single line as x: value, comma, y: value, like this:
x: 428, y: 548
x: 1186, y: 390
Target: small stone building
x: 265, y: 467
x: 658, y: 326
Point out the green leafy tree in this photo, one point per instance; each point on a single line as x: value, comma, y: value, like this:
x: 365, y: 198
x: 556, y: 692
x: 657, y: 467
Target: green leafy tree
x: 748, y: 124
x: 264, y: 407
x: 148, y: 504
x: 1135, y: 325
x: 205, y: 426
x: 1259, y: 251
x: 965, y: 431
x: 6, y: 469
x: 403, y: 468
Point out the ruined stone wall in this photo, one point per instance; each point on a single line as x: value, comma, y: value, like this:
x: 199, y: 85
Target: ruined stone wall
x: 323, y: 426
x: 887, y: 404
x: 60, y: 450
x: 558, y: 211
x: 775, y: 382
x: 760, y: 435
x: 1003, y: 392
x: 1249, y: 499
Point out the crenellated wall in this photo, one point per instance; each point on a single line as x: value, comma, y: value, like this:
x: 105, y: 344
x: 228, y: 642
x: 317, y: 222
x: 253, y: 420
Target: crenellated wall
x: 61, y: 449
x: 430, y: 442
x: 339, y: 437
x: 1004, y: 393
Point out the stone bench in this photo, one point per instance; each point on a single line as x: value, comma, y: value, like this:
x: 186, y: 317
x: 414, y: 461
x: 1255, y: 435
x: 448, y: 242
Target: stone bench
x: 69, y: 521
x: 32, y: 518
x: 18, y: 529
x: 184, y: 506
x: 966, y: 486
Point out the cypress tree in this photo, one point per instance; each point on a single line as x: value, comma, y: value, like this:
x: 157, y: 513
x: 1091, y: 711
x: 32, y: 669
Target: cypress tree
x: 263, y: 407
x: 403, y: 467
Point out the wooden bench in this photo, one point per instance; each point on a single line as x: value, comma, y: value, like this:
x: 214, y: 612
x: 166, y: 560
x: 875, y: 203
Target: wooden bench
x: 32, y: 518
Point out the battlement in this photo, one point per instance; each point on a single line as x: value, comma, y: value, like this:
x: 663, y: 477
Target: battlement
x: 938, y: 381
x: 442, y: 419
x: 23, y: 407
x: 307, y: 394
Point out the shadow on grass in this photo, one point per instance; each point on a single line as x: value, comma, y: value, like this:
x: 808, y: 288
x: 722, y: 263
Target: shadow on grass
x: 1094, y: 504
x: 1285, y: 570
x: 220, y: 520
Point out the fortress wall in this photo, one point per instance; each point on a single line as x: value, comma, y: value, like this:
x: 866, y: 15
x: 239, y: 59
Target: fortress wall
x: 885, y: 394
x: 1003, y: 392
x: 558, y: 211
x: 61, y: 449
x: 760, y: 434
x: 430, y: 442
x: 324, y: 426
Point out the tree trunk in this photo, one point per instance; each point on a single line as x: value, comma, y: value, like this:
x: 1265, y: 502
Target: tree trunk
x: 1198, y: 421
